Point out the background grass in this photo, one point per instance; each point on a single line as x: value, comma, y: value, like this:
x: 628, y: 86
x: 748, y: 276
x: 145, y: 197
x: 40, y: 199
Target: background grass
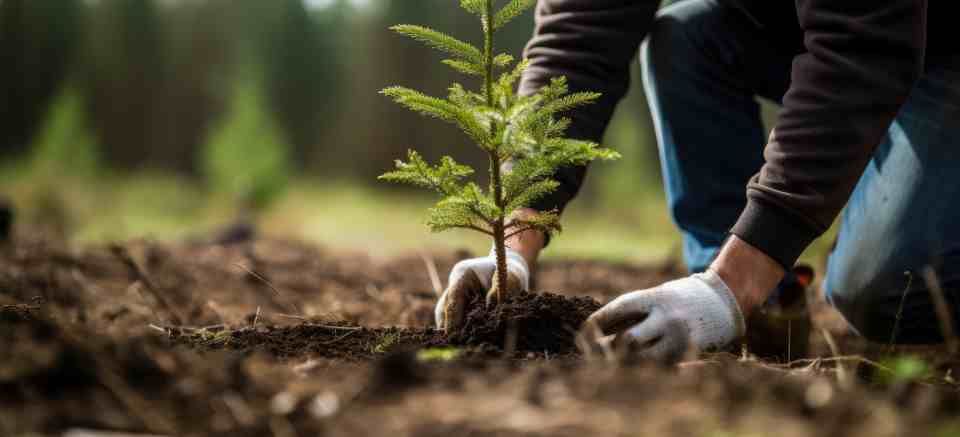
x: 341, y: 214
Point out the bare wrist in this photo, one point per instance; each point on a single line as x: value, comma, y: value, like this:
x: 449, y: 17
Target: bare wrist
x: 749, y: 273
x: 528, y: 243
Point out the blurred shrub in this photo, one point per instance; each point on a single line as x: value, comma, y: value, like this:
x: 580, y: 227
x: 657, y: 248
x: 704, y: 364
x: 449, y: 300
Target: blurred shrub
x: 246, y: 155
x: 65, y: 145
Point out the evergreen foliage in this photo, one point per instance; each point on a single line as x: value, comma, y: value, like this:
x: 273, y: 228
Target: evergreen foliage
x: 522, y: 135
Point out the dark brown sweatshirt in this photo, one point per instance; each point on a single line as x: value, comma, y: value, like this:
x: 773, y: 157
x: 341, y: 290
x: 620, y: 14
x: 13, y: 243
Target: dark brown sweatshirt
x: 859, y: 61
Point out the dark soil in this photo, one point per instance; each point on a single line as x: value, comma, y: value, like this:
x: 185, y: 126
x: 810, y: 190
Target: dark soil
x: 527, y: 322
x: 334, y: 341
x: 272, y: 337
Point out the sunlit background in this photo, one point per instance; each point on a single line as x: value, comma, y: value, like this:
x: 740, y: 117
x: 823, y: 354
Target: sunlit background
x: 179, y: 118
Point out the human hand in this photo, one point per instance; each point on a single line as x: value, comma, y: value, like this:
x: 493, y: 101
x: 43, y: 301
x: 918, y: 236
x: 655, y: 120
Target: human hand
x: 664, y: 322
x: 473, y: 277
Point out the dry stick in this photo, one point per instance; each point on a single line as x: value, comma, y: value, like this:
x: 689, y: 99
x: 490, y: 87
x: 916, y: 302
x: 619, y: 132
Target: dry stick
x: 841, y: 370
x: 896, y: 321
x: 260, y: 278
x: 124, y: 256
x: 432, y: 272
x: 136, y: 286
x: 836, y: 359
x: 942, y: 309
x: 158, y: 328
x: 325, y: 343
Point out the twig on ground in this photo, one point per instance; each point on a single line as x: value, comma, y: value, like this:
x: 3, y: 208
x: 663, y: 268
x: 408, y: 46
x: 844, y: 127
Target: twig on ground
x: 842, y: 376
x: 256, y: 317
x: 896, y: 321
x: 942, y: 309
x: 135, y: 285
x: 263, y: 280
x: 140, y: 275
x: 835, y: 359
x: 158, y: 328
x: 335, y: 340
x: 431, y: 266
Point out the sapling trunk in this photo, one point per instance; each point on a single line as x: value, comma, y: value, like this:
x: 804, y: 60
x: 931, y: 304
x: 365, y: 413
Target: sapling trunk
x: 499, y: 230
x: 524, y: 131
x: 499, y: 234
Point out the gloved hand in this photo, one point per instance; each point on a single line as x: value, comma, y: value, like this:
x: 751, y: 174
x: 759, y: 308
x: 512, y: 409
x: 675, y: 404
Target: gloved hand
x: 663, y: 322
x: 476, y: 277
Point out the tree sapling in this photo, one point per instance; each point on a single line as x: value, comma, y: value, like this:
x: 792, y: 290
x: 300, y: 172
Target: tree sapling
x: 523, y: 136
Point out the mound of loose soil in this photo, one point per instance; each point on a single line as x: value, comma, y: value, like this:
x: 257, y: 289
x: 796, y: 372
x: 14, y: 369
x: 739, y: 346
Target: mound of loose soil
x: 527, y: 322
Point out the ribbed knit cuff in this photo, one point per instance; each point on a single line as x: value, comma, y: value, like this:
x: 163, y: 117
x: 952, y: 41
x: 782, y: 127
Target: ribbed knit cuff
x: 775, y: 231
x: 716, y: 284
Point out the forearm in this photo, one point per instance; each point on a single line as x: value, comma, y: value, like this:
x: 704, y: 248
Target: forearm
x: 749, y: 273
x: 527, y: 243
x: 863, y: 58
x: 591, y: 43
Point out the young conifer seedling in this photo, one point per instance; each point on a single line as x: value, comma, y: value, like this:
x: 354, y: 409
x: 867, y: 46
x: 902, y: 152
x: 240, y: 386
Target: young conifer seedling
x: 523, y: 136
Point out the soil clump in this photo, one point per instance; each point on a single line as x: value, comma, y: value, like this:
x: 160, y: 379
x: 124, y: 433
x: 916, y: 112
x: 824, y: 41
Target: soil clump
x: 527, y: 322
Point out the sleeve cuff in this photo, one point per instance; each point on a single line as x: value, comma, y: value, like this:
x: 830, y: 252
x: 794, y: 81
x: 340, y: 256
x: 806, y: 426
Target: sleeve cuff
x: 774, y: 230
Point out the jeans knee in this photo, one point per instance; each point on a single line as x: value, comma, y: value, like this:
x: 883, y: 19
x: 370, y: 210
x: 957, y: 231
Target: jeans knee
x: 883, y: 305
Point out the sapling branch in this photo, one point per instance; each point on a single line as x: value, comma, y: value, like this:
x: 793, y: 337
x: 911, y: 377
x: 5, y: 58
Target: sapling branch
x: 522, y: 230
x: 474, y: 228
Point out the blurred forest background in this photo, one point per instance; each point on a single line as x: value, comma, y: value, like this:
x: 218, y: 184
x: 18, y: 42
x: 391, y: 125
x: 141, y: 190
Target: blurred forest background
x: 169, y: 118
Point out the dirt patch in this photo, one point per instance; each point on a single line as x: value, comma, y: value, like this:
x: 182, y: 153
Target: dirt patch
x: 527, y: 322
x: 320, y: 340
x: 237, y: 340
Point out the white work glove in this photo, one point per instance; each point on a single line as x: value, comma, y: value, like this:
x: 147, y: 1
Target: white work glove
x: 662, y: 323
x: 475, y: 277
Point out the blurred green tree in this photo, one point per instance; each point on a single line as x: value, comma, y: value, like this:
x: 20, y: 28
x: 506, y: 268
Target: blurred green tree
x: 247, y: 156
x: 65, y: 147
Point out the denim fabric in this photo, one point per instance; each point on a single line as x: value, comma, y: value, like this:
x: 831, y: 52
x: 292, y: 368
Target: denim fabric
x: 903, y: 216
x: 704, y: 64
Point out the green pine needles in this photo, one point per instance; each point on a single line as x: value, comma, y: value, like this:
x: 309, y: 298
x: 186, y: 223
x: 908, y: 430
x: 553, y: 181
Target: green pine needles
x: 522, y: 133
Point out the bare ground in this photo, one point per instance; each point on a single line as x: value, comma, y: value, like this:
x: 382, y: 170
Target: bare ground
x: 275, y: 337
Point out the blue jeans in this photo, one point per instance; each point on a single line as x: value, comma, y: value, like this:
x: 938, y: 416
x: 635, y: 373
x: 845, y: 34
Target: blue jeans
x: 705, y: 63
